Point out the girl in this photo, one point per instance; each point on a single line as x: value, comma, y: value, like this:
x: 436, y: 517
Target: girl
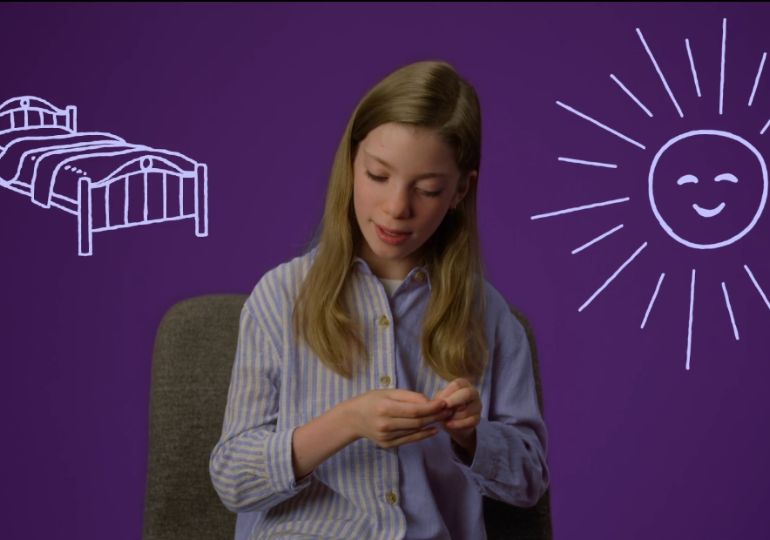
x: 381, y: 386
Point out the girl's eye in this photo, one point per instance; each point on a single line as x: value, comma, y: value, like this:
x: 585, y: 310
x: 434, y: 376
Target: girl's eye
x: 383, y: 178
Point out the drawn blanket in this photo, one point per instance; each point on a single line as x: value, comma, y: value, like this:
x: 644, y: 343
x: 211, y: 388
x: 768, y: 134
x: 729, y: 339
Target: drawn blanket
x: 55, y: 164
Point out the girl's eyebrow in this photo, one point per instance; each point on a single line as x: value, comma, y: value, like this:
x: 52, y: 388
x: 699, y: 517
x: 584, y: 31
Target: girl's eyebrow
x: 418, y: 177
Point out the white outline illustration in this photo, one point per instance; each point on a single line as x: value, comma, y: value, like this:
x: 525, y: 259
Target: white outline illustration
x: 630, y: 94
x: 598, y: 238
x: 56, y: 175
x: 705, y: 212
x: 730, y: 311
x: 660, y: 74
x: 652, y: 300
x: 708, y: 212
x: 692, y: 66
x: 756, y: 79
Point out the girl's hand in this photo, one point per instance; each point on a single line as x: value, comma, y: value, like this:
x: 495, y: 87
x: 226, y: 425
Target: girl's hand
x: 463, y: 398
x: 390, y: 418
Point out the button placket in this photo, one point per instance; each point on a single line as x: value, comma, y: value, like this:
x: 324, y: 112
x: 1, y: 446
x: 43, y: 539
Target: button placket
x: 384, y: 323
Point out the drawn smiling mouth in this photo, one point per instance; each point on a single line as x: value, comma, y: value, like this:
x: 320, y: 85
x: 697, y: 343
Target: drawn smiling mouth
x: 708, y: 212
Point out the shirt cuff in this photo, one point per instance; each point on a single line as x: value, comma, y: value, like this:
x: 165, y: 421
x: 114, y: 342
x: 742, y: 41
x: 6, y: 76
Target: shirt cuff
x: 278, y: 454
x: 484, y: 461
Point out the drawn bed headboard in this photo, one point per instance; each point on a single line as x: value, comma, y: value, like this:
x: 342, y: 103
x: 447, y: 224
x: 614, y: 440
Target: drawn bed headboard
x: 29, y: 112
x: 121, y: 184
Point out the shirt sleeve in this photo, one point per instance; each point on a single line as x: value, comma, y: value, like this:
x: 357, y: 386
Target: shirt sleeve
x: 251, y: 465
x: 511, y: 439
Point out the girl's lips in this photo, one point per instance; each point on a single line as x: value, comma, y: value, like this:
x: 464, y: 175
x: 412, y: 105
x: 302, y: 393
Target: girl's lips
x: 392, y: 239
x: 390, y: 231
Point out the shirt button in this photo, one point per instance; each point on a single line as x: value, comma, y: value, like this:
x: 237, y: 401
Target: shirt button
x: 391, y: 497
x: 384, y: 320
x: 385, y: 380
x: 419, y: 277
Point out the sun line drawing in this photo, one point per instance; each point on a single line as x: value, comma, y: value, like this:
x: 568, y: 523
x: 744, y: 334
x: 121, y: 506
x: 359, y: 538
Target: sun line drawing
x: 597, y: 239
x: 658, y: 182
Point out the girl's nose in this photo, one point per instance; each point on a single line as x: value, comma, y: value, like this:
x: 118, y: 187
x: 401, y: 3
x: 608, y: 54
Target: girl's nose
x: 398, y: 203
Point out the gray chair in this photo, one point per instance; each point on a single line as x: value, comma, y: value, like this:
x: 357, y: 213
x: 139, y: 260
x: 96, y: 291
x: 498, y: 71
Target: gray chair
x: 194, y: 352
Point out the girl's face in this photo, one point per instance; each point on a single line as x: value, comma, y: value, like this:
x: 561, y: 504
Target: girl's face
x: 404, y: 181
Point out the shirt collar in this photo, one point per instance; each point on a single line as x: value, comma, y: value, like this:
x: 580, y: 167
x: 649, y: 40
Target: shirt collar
x: 418, y: 274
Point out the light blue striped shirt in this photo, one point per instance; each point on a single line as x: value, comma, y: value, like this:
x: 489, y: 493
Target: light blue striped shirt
x: 416, y: 491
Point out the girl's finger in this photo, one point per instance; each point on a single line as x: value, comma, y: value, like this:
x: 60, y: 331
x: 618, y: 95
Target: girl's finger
x: 397, y: 409
x: 400, y: 394
x: 400, y: 433
x: 461, y: 397
x: 440, y: 394
x: 411, y: 424
x: 414, y: 436
x: 458, y: 416
x: 447, y: 390
x: 463, y: 423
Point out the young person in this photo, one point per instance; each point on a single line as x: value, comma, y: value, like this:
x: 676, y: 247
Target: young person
x: 381, y: 385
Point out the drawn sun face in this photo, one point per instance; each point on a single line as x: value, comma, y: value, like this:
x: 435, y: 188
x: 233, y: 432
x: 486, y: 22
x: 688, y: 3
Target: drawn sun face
x: 707, y: 188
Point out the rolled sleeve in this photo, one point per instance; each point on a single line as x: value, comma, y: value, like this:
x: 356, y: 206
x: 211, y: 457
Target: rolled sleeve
x: 278, y: 464
x: 507, y: 465
x: 485, y: 462
x: 251, y: 465
x: 509, y: 462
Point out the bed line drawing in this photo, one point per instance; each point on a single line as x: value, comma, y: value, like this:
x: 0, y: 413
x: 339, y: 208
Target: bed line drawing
x: 107, y: 182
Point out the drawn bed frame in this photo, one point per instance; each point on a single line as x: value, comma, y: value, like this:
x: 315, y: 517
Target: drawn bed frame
x: 151, y: 175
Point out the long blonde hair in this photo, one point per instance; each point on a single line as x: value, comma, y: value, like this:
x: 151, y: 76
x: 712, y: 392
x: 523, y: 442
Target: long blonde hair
x: 427, y: 94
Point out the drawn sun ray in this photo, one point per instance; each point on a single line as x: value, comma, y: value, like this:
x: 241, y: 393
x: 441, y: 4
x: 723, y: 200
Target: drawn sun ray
x: 631, y: 95
x: 598, y: 238
x: 756, y: 79
x: 589, y: 163
x: 722, y: 68
x: 759, y: 289
x: 612, y: 277
x: 603, y: 126
x: 692, y: 66
x: 674, y: 167
x: 579, y: 208
x: 762, y: 131
x: 689, y: 324
x: 660, y: 74
x: 652, y: 300
x: 730, y: 311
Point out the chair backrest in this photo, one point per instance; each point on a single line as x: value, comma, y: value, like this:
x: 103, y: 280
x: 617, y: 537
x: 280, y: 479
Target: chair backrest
x: 194, y: 353
x: 193, y: 356
x: 506, y: 522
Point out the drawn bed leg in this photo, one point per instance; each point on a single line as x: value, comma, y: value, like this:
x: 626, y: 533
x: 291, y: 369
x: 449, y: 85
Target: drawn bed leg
x: 201, y: 200
x: 72, y: 118
x: 85, y: 234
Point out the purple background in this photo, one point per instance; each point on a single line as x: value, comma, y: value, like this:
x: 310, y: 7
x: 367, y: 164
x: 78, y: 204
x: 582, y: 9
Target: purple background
x: 639, y: 447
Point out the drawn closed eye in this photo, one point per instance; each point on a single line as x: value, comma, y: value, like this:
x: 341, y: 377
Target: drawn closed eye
x: 688, y: 179
x: 726, y: 177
